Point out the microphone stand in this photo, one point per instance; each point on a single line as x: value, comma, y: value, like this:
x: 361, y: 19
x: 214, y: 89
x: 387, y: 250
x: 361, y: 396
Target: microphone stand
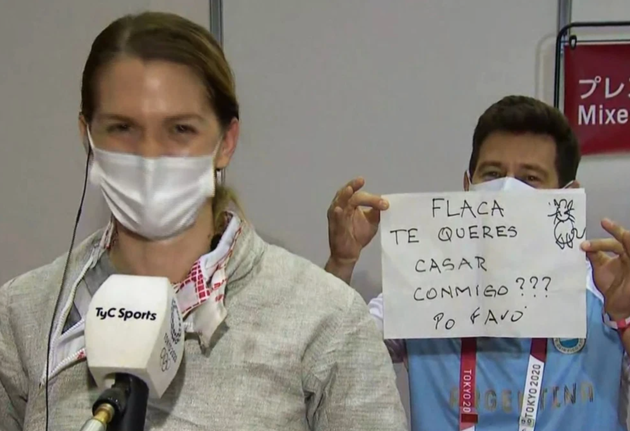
x: 122, y: 407
x: 134, y: 415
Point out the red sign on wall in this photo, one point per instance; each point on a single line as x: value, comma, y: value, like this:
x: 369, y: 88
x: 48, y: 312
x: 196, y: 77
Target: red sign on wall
x: 597, y: 96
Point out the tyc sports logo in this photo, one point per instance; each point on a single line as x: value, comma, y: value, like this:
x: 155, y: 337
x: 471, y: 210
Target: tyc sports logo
x: 125, y: 314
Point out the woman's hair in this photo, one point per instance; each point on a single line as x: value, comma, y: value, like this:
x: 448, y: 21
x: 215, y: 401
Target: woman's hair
x: 167, y: 37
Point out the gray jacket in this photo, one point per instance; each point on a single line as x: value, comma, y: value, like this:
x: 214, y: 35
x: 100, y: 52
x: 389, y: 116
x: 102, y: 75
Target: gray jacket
x: 299, y: 352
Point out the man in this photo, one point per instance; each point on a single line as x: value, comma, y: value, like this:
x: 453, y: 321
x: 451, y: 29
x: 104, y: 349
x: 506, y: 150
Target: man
x: 519, y: 143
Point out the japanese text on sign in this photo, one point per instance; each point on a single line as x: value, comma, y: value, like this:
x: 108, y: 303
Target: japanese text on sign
x: 474, y: 264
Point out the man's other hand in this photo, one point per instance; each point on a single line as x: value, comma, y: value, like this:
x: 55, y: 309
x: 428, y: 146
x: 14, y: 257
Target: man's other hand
x: 353, y: 219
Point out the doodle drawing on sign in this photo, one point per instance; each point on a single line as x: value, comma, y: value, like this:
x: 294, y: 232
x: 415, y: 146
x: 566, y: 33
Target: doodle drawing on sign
x: 564, y: 230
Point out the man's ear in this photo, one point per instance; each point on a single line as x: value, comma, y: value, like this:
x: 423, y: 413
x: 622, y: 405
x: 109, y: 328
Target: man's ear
x: 83, y: 126
x: 228, y: 145
x: 466, y: 181
x: 574, y: 185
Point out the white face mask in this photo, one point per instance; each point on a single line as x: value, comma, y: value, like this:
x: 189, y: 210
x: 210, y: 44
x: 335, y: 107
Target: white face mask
x: 156, y: 198
x: 502, y: 184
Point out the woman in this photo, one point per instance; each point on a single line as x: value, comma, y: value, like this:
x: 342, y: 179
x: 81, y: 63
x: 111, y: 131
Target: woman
x: 283, y: 347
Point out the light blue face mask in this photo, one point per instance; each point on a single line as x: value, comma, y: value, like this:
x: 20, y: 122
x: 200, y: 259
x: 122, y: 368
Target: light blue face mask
x: 503, y: 184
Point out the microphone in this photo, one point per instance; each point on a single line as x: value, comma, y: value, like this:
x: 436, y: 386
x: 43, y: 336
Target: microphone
x: 134, y: 342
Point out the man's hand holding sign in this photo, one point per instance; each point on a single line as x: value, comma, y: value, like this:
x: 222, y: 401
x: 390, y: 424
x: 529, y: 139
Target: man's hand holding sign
x: 498, y: 264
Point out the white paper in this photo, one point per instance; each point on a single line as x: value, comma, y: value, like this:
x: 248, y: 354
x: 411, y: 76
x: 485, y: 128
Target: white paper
x: 512, y: 267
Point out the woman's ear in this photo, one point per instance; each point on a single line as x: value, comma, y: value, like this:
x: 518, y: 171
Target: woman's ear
x: 83, y: 126
x: 228, y: 145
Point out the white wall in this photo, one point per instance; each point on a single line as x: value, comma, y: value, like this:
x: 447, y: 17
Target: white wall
x: 600, y: 10
x: 43, y: 46
x: 605, y: 178
x: 388, y: 90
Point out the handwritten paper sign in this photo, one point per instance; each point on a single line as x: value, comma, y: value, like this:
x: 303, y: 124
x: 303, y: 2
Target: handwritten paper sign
x: 484, y: 264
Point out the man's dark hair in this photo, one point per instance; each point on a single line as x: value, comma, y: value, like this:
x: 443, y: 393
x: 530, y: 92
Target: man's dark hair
x: 522, y: 114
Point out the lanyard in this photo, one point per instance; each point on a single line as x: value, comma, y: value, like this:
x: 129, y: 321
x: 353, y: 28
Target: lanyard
x: 467, y: 393
x: 468, y: 417
x: 533, y: 384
